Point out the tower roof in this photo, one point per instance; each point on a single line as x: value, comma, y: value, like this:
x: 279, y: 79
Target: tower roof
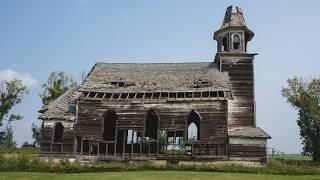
x: 234, y: 20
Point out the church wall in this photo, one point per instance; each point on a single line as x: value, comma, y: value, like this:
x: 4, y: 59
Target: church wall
x: 172, y: 117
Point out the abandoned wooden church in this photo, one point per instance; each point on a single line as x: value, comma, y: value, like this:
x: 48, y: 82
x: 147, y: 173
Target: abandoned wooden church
x: 195, y: 111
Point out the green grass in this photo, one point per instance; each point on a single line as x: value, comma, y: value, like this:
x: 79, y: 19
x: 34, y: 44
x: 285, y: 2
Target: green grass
x: 21, y: 151
x: 156, y: 175
x: 25, y: 160
x: 25, y: 164
x: 18, y: 152
x: 293, y: 157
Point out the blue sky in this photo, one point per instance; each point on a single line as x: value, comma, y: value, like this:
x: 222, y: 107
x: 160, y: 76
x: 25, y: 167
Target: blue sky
x: 39, y: 36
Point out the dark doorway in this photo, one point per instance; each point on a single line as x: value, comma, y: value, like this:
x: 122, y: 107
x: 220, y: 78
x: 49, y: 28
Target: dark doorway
x: 194, y: 119
x: 78, y: 139
x: 120, y: 136
x: 109, y: 126
x: 151, y: 122
x: 58, y: 133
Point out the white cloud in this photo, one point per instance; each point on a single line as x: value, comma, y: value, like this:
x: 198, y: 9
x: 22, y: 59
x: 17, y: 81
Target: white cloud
x: 26, y: 78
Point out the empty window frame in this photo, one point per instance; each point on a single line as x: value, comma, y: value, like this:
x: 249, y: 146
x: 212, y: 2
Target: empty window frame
x: 213, y: 94
x: 151, y: 125
x: 220, y: 93
x: 100, y: 95
x: 164, y: 95
x: 58, y: 133
x: 124, y: 96
x: 236, y: 41
x: 172, y: 95
x: 205, y: 94
x: 156, y: 95
x: 85, y: 94
x: 224, y: 44
x: 194, y: 118
x: 188, y: 94
x: 92, y: 94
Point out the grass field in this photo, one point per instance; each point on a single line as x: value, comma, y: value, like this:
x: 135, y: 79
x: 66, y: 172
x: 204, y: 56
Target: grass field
x: 149, y: 175
x: 292, y: 157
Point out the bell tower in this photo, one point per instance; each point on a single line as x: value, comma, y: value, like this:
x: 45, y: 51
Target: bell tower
x: 233, y: 35
x: 232, y: 57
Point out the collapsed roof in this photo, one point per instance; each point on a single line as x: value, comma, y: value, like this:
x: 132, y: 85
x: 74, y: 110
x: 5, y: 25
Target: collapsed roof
x: 61, y: 108
x: 135, y: 77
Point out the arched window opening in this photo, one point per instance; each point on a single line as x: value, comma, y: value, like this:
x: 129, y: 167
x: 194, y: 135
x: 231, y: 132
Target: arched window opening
x: 151, y: 128
x: 236, y: 41
x: 192, y: 131
x: 224, y: 46
x: 109, y: 131
x: 193, y: 123
x: 58, y: 133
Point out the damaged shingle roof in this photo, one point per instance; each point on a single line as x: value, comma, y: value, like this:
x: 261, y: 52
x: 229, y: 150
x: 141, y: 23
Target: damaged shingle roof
x: 59, y: 109
x: 154, y: 77
x: 249, y: 132
x: 233, y: 19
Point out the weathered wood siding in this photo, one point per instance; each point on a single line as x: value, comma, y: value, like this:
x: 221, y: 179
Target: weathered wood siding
x: 247, y: 152
x: 242, y: 108
x: 172, y: 117
x: 46, y: 137
x: 68, y: 140
x: 47, y: 144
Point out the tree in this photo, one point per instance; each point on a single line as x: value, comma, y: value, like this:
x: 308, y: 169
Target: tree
x: 8, y: 140
x: 36, y: 134
x: 58, y: 83
x: 304, y: 95
x: 26, y: 144
x: 11, y: 94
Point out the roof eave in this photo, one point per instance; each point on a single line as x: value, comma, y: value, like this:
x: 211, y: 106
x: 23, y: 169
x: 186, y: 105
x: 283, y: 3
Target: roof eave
x: 252, y: 137
x: 245, y: 28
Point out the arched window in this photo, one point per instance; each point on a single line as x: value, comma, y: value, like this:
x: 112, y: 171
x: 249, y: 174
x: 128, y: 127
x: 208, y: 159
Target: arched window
x: 58, y: 132
x: 236, y: 41
x: 224, y: 46
x: 109, y: 125
x: 151, y: 128
x: 192, y: 131
x: 193, y: 123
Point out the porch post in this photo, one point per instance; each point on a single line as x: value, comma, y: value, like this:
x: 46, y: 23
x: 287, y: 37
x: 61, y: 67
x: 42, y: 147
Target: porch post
x: 89, y: 148
x: 81, y: 150
x: 124, y: 143
x: 98, y: 151
x: 107, y: 149
x: 140, y: 149
x: 131, y: 143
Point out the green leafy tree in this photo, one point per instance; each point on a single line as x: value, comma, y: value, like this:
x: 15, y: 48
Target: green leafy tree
x: 58, y: 83
x: 36, y: 134
x: 11, y: 94
x: 304, y: 95
x: 8, y: 140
